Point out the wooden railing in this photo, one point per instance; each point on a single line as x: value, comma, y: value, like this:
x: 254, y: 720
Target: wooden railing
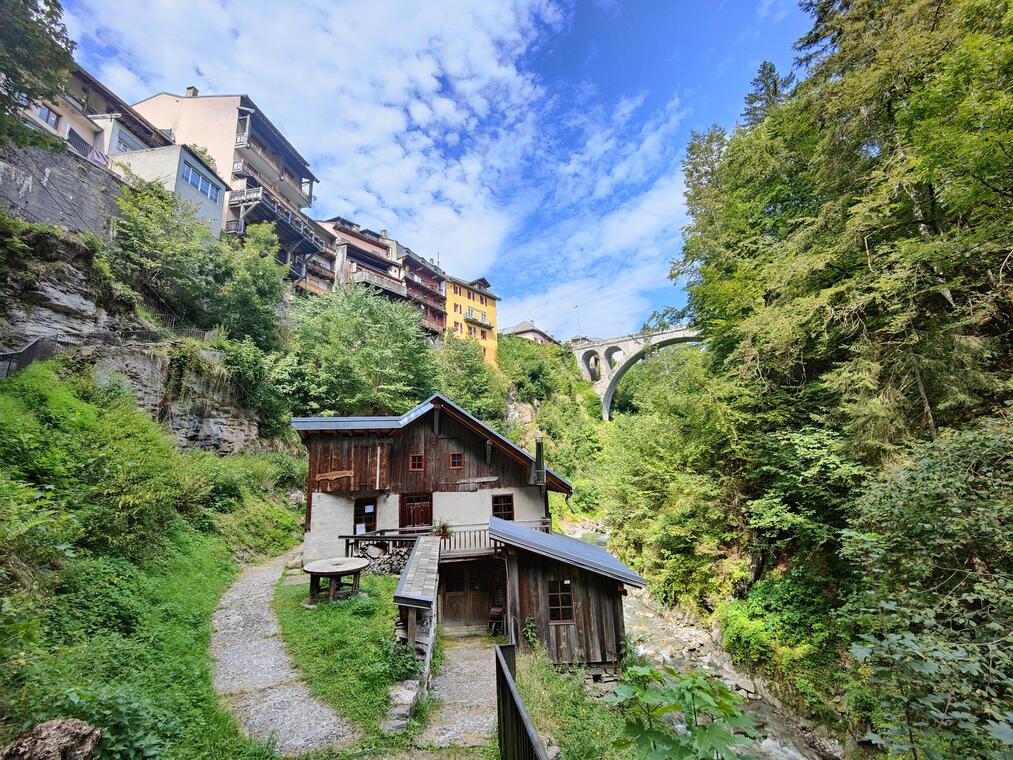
x: 289, y: 213
x: 518, y: 738
x: 380, y: 280
x: 432, y: 324
x: 463, y: 539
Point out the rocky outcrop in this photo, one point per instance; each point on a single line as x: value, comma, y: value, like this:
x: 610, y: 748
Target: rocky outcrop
x: 71, y: 739
x: 54, y: 289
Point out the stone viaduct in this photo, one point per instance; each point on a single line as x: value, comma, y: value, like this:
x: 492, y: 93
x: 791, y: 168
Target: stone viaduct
x: 605, y: 361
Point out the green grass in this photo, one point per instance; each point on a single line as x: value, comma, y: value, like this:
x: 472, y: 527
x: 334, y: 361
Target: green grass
x: 149, y: 686
x: 337, y: 647
x: 561, y: 709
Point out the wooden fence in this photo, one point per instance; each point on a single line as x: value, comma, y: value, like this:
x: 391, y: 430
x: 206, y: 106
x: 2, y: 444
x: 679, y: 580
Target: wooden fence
x: 518, y: 739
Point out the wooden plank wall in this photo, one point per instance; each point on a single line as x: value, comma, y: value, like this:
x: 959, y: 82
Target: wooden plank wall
x: 596, y: 634
x: 333, y: 453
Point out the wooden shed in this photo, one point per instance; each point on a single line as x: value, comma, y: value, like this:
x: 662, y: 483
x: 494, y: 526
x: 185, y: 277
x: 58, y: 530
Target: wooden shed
x: 570, y: 590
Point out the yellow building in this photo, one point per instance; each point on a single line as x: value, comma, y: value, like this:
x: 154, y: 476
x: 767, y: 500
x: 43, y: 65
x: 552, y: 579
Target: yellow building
x: 471, y: 313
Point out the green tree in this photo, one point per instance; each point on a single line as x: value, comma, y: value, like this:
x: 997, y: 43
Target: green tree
x: 36, y: 57
x: 355, y: 352
x: 253, y: 288
x: 769, y: 90
x: 464, y: 376
x: 168, y: 254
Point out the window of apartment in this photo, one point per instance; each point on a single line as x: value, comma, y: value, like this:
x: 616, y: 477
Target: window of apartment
x: 560, y: 602
x: 125, y: 143
x: 416, y: 462
x: 457, y: 290
x: 457, y: 327
x: 364, y: 518
x: 481, y: 300
x: 49, y: 116
x: 471, y: 295
x: 456, y: 460
x: 457, y: 308
x: 471, y: 330
x: 484, y: 317
x: 484, y: 335
x: 201, y: 183
x: 503, y: 506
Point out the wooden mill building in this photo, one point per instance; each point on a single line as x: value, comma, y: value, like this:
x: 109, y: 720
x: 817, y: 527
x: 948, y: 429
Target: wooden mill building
x: 384, y: 481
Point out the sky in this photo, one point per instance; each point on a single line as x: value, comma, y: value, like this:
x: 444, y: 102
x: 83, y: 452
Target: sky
x: 536, y: 143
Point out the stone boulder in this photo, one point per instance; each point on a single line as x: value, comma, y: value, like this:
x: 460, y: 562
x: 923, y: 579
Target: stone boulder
x: 70, y: 739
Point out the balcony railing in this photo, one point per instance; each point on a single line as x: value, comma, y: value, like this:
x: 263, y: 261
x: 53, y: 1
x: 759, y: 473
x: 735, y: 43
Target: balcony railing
x: 473, y: 316
x: 242, y: 168
x: 422, y: 297
x: 319, y: 269
x: 432, y: 324
x: 369, y: 277
x: 463, y: 539
x: 311, y: 287
x: 286, y: 211
x: 438, y: 289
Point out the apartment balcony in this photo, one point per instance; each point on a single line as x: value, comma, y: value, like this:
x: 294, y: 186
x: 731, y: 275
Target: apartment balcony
x: 256, y: 162
x: 311, y: 287
x: 319, y: 269
x: 432, y: 287
x: 422, y: 297
x: 473, y: 316
x: 258, y: 204
x: 433, y: 325
x: 382, y: 281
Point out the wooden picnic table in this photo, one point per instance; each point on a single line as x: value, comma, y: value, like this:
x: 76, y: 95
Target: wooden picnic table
x: 335, y: 570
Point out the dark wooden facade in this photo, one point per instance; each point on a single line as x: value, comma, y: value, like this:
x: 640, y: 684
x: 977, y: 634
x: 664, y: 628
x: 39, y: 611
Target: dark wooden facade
x: 362, y: 461
x: 593, y: 637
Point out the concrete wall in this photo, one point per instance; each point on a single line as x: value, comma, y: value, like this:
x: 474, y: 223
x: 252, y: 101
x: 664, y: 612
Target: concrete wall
x: 58, y: 187
x: 475, y: 507
x: 70, y: 118
x: 112, y: 132
x: 206, y: 121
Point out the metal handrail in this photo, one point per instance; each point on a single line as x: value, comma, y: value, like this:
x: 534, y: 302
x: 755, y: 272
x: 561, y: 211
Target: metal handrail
x: 516, y: 733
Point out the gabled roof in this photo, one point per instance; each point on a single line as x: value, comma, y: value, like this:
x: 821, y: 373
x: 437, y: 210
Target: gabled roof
x: 526, y: 326
x: 556, y: 546
x: 307, y: 425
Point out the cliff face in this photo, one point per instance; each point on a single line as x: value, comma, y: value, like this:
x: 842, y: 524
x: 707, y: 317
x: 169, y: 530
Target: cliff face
x: 50, y: 286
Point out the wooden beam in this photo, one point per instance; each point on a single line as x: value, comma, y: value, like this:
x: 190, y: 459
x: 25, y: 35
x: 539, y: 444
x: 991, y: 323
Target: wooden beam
x: 335, y: 475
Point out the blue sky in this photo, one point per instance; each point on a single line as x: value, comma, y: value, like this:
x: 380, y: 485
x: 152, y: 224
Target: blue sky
x: 535, y: 142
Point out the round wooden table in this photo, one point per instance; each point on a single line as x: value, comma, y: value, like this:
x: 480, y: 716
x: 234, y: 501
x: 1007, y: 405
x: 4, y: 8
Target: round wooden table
x: 335, y: 570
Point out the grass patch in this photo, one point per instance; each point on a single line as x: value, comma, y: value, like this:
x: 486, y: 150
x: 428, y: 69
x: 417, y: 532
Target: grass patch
x: 143, y: 674
x: 341, y: 649
x: 561, y: 709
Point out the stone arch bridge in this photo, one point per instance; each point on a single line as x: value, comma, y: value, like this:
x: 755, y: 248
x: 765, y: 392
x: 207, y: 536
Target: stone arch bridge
x: 604, y: 362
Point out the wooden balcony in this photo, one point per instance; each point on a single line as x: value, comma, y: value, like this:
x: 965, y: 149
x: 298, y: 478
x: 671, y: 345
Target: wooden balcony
x: 311, y: 287
x: 422, y: 282
x: 433, y: 325
x: 382, y: 281
x: 244, y: 168
x: 464, y: 540
x: 421, y: 296
x: 317, y: 268
x: 282, y: 211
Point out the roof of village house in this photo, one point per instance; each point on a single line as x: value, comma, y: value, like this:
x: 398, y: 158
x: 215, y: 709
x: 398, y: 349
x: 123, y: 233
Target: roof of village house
x: 306, y: 425
x: 156, y: 134
x: 556, y: 546
x: 481, y: 285
x: 421, y: 575
x: 526, y: 326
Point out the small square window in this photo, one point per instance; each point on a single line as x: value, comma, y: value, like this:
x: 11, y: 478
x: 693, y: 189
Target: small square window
x: 503, y: 506
x: 416, y: 462
x: 456, y: 460
x: 560, y: 602
x: 49, y: 116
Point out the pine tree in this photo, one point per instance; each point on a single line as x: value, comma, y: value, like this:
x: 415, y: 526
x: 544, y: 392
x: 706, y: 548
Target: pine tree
x: 769, y: 90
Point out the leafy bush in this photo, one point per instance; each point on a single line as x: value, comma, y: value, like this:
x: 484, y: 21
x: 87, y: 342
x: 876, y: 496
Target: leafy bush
x: 93, y: 596
x: 400, y: 660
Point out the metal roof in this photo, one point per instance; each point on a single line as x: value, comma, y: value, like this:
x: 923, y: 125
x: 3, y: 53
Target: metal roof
x: 564, y: 549
x: 324, y: 424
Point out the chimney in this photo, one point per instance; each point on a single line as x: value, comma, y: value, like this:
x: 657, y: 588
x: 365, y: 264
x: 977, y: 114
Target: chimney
x: 539, y: 462
x: 383, y: 233
x: 191, y: 92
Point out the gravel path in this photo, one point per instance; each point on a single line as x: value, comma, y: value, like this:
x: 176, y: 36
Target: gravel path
x: 255, y: 676
x: 466, y: 687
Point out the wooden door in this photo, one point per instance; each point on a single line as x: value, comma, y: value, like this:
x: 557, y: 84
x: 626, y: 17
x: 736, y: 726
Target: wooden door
x: 464, y: 593
x: 416, y: 510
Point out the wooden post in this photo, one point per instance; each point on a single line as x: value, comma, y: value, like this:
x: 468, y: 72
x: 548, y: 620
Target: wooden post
x: 412, y: 626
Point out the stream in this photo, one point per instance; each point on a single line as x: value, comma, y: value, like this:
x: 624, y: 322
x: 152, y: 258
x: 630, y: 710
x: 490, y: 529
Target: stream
x: 665, y: 638
x: 685, y: 647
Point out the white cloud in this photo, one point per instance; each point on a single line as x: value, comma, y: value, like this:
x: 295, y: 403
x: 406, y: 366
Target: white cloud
x: 425, y: 121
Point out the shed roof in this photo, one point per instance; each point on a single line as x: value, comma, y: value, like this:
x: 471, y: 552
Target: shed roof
x: 556, y: 546
x: 305, y: 425
x: 420, y: 577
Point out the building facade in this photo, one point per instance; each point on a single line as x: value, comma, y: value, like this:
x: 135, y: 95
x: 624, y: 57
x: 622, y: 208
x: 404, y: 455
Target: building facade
x: 363, y: 256
x: 269, y: 180
x: 427, y: 288
x: 94, y: 120
x: 180, y: 171
x: 477, y: 508
x: 529, y: 331
x: 471, y: 313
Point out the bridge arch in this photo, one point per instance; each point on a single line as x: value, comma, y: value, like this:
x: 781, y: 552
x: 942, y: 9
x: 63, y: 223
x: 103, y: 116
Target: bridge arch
x: 615, y: 356
x: 592, y: 364
x: 624, y: 367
